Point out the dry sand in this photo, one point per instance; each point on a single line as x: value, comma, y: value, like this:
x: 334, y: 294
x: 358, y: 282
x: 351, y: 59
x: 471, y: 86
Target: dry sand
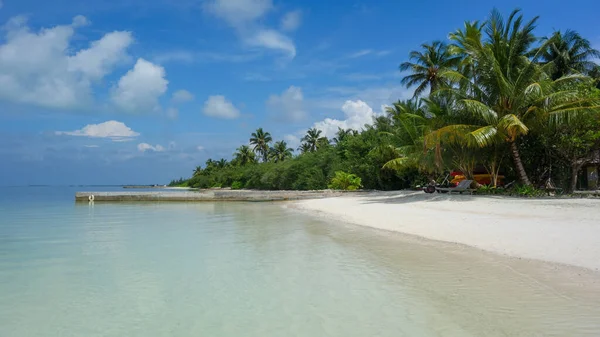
x: 565, y: 231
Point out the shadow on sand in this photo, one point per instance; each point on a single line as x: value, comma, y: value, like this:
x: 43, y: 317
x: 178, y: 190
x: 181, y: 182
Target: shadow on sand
x: 405, y: 197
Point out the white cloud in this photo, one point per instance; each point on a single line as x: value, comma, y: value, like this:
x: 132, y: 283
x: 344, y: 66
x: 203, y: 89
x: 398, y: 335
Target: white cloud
x: 172, y: 113
x: 218, y: 106
x: 272, y: 39
x: 182, y: 96
x: 139, y: 89
x: 143, y: 147
x: 200, y: 148
x: 357, y: 113
x: 289, y: 106
x: 293, y: 141
x: 92, y: 146
x: 238, y: 12
x: 244, y: 16
x: 291, y: 21
x: 42, y: 68
x: 360, y: 53
x: 99, y: 60
x: 114, y: 130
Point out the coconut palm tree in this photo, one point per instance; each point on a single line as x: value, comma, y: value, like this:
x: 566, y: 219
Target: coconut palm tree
x: 304, y: 148
x: 198, y: 170
x: 244, y: 155
x: 343, y: 134
x: 426, y: 67
x: 509, y: 90
x: 221, y: 163
x: 280, y: 152
x: 567, y: 53
x: 313, y: 139
x: 261, y: 139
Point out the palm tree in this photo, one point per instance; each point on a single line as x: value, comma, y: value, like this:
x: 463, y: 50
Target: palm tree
x: 343, y: 134
x: 261, y: 139
x: 313, y: 139
x: 280, y: 152
x: 426, y: 70
x: 244, y: 155
x: 198, y: 170
x: 508, y: 90
x: 221, y: 163
x: 304, y: 148
x: 567, y: 53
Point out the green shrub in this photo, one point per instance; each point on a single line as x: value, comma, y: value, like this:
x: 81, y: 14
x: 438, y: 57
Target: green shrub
x: 236, y: 185
x: 345, y: 181
x: 526, y: 191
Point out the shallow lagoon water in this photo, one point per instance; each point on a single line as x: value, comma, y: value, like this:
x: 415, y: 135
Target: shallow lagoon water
x: 258, y: 269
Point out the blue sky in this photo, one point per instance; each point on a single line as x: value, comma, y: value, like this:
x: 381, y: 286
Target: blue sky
x: 132, y: 91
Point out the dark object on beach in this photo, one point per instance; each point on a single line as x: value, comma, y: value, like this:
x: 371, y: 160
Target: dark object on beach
x: 429, y: 189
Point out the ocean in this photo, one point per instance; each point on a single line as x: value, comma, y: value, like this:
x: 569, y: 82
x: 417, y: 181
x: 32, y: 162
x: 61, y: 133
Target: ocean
x: 257, y: 269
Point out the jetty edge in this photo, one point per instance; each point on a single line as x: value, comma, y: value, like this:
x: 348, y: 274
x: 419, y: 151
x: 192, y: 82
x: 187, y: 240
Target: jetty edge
x: 203, y: 195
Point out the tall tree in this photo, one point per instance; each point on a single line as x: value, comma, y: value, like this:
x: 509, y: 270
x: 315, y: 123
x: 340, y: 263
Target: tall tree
x: 304, y: 148
x: 198, y: 170
x: 280, y: 152
x: 567, y: 53
x: 244, y: 155
x: 314, y: 139
x: 426, y: 67
x: 510, y: 90
x: 261, y: 140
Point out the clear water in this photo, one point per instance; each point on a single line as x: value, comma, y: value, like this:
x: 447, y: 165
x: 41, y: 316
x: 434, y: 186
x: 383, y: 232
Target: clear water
x: 256, y: 269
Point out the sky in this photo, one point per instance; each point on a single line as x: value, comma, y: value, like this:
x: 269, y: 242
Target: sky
x: 142, y: 91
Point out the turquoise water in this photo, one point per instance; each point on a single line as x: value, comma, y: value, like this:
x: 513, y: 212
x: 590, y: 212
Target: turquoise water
x: 256, y: 269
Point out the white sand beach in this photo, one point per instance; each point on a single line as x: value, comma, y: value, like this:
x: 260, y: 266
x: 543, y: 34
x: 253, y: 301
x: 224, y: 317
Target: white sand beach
x: 565, y: 231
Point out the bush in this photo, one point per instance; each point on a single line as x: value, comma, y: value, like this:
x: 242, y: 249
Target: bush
x: 526, y: 191
x: 237, y: 185
x: 345, y: 181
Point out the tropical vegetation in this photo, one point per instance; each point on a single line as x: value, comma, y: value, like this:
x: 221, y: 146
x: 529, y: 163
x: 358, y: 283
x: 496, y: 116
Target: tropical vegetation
x: 493, y: 96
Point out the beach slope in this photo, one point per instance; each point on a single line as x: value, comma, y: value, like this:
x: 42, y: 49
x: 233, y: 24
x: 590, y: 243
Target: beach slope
x: 565, y: 231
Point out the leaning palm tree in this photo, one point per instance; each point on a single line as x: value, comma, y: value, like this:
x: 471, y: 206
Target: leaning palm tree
x: 509, y: 90
x: 261, y: 139
x: 567, y: 53
x: 427, y: 66
x: 198, y: 170
x: 244, y: 155
x: 280, y: 152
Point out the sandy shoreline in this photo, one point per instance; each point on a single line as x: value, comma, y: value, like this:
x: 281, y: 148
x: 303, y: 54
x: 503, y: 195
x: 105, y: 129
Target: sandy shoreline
x: 565, y: 231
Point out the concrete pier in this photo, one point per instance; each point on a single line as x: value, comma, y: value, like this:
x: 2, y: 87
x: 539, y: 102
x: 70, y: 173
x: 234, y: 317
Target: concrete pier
x: 203, y: 195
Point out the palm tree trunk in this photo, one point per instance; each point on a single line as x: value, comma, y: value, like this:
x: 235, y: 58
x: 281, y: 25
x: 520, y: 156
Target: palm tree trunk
x: 519, y: 164
x: 574, y: 173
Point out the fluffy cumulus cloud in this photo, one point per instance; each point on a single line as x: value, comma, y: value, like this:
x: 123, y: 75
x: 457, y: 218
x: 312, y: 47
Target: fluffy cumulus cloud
x: 291, y: 21
x: 357, y: 113
x: 244, y: 16
x: 114, y: 130
x: 139, y: 89
x: 143, y: 147
x: 182, y: 96
x: 289, y: 106
x: 42, y: 68
x: 219, y: 107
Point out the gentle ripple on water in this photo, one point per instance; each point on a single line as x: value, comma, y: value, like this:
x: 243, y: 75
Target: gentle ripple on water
x: 236, y: 269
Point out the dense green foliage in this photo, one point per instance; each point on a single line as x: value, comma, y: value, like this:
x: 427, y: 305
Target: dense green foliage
x: 494, y: 96
x: 345, y: 181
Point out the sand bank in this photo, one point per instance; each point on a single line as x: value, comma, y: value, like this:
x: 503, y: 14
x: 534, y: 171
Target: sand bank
x: 565, y: 231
